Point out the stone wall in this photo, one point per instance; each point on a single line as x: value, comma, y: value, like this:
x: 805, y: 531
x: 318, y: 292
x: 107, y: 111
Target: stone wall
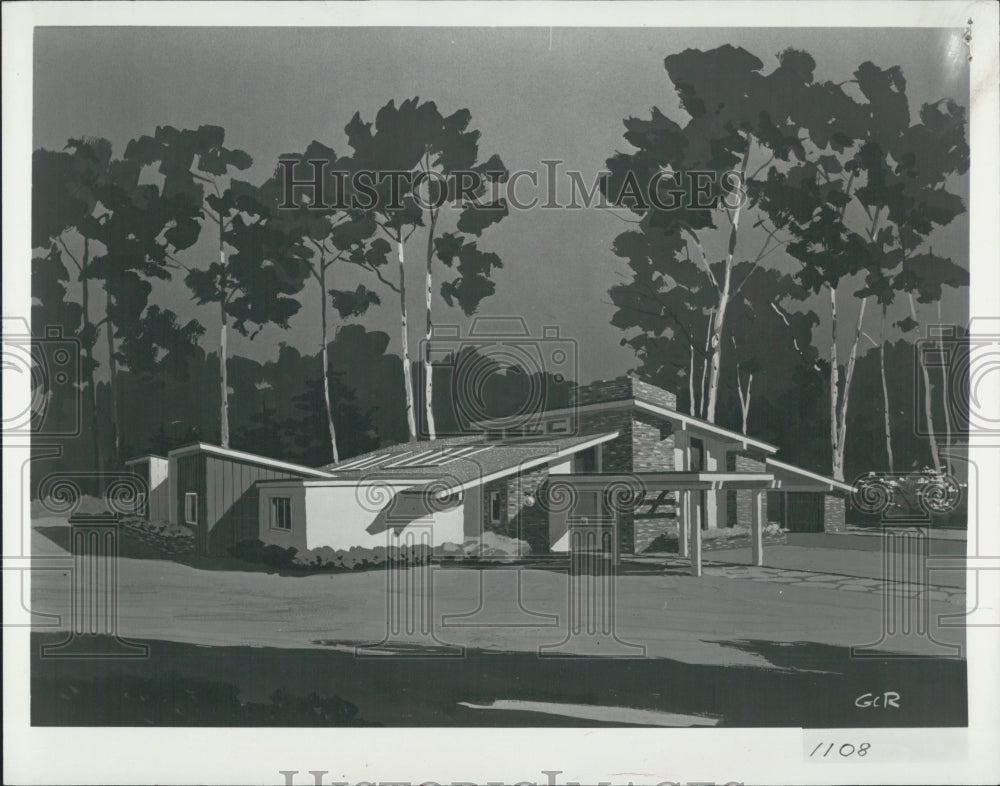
x: 616, y: 455
x: 834, y: 513
x: 530, y: 523
x: 652, y: 451
x: 744, y: 497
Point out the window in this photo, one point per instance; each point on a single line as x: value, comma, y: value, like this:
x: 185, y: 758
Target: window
x: 281, y: 513
x: 696, y: 456
x: 589, y: 460
x: 191, y: 508
x: 560, y: 426
x: 494, y: 507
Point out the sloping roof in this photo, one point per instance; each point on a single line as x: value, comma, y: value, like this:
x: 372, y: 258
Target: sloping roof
x: 145, y: 457
x: 789, y: 477
x: 249, y: 458
x: 485, y: 459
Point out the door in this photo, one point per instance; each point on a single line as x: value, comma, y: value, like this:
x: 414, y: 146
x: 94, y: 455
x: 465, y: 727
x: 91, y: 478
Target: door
x: 803, y: 512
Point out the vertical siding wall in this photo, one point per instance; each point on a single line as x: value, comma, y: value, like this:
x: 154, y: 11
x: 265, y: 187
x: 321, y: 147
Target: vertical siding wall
x: 231, y: 500
x: 227, y: 498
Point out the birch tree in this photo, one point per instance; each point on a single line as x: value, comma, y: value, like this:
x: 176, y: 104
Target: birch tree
x: 332, y: 236
x: 695, y: 178
x: 861, y: 206
x: 416, y: 140
x: 195, y: 165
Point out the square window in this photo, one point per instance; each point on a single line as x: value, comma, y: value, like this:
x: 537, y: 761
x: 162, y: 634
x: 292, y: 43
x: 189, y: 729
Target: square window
x: 560, y: 426
x: 281, y: 513
x: 494, y: 507
x: 191, y: 508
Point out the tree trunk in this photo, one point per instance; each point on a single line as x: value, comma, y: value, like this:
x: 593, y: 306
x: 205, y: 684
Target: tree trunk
x: 691, y: 402
x: 885, y: 397
x: 113, y: 392
x: 326, y: 362
x: 426, y: 355
x: 89, y: 351
x: 223, y: 376
x: 407, y: 371
x: 947, y: 408
x: 846, y: 394
x: 744, y: 397
x: 720, y: 312
x: 928, y: 410
x: 702, y: 393
x: 836, y: 468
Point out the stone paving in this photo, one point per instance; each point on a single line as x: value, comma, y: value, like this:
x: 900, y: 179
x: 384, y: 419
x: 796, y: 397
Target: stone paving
x: 952, y: 595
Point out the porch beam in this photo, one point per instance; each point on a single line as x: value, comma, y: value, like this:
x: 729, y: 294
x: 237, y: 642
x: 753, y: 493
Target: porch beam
x: 695, y: 528
x: 683, y: 522
x: 757, y: 528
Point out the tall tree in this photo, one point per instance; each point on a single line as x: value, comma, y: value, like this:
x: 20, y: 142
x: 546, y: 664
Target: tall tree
x: 63, y: 201
x: 696, y: 180
x: 416, y: 139
x: 333, y: 235
x: 128, y: 231
x: 189, y: 160
x: 863, y: 202
x: 138, y: 229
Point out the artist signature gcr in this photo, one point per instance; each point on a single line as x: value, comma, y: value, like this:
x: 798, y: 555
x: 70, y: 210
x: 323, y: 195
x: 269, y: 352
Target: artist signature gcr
x: 878, y: 701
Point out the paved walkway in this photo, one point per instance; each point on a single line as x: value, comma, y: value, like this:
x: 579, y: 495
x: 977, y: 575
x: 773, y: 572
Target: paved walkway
x: 829, y: 580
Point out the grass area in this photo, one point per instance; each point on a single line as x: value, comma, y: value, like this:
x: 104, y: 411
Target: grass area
x: 232, y: 646
x: 180, y: 684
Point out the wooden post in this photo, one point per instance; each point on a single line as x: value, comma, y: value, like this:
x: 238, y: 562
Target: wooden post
x: 695, y: 525
x: 683, y: 521
x: 757, y: 528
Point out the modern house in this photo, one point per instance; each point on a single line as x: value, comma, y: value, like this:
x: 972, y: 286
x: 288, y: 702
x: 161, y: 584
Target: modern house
x: 621, y: 457
x: 153, y: 473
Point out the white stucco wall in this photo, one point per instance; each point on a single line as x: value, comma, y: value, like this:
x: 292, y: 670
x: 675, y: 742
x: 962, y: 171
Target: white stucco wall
x: 344, y: 516
x: 159, y: 489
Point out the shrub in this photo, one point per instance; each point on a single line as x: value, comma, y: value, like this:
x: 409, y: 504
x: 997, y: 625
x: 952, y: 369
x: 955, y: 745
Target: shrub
x: 256, y: 551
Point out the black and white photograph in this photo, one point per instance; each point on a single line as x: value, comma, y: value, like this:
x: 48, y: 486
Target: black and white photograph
x: 472, y: 393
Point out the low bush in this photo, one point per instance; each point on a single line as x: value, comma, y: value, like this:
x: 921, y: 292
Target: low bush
x: 161, y: 535
x: 716, y: 538
x: 491, y: 545
x: 261, y: 553
x: 325, y: 558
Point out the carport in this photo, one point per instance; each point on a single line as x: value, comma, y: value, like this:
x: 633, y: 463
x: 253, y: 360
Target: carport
x: 608, y: 496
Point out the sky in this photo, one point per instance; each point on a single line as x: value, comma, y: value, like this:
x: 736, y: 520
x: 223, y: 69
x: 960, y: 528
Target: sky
x: 534, y: 93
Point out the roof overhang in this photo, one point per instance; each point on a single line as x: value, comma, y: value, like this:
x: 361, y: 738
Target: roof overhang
x: 666, y: 481
x: 147, y: 457
x: 527, y: 464
x: 685, y: 422
x: 699, y: 426
x: 250, y: 458
x: 788, y: 477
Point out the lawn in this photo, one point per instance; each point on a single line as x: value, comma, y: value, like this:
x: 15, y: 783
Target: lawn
x: 696, y: 649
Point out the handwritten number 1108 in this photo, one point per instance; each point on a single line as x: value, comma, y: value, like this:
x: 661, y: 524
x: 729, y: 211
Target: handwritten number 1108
x: 846, y: 750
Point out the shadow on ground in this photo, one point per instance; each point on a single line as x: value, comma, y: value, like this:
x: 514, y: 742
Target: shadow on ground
x: 180, y: 684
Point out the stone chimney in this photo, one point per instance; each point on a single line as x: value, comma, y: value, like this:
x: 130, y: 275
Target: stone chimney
x: 622, y: 388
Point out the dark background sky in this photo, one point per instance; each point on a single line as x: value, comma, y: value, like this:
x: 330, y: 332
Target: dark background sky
x: 535, y: 93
